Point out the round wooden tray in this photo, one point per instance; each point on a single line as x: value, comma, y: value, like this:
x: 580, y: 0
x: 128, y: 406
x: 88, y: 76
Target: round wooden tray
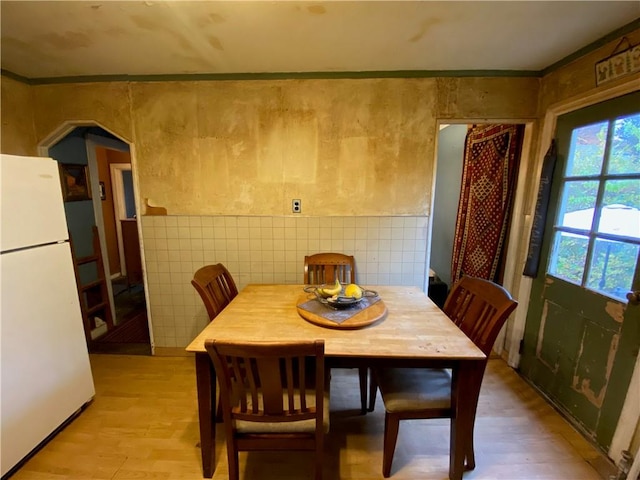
x: 362, y: 318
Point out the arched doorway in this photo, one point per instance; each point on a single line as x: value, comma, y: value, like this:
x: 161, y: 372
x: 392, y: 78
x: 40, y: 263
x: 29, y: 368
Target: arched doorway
x: 118, y: 323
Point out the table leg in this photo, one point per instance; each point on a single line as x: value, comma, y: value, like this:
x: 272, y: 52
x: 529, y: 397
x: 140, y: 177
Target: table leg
x: 206, y: 386
x: 464, y: 397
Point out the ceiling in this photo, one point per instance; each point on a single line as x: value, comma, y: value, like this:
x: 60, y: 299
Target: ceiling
x: 43, y: 40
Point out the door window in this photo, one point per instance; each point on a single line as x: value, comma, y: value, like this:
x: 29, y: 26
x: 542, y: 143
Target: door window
x: 597, y: 227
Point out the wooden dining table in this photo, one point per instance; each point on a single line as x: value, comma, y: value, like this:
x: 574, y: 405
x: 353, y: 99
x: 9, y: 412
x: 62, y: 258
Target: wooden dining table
x: 413, y: 332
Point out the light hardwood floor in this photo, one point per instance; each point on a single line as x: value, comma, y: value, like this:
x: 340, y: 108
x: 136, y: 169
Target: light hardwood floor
x: 143, y: 424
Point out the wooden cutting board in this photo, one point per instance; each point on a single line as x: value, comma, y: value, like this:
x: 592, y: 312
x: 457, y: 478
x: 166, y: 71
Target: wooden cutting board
x: 367, y: 316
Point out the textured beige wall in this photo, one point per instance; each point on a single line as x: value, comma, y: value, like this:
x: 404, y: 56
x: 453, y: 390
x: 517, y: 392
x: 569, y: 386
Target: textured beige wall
x: 106, y: 104
x: 18, y: 133
x: 352, y: 147
x: 500, y: 98
x: 345, y: 147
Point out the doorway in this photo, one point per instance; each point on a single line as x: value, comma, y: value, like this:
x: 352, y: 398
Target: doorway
x: 582, y: 334
x: 112, y: 211
x: 451, y: 149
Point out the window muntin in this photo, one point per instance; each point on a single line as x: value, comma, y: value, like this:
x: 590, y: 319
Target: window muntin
x: 597, y: 231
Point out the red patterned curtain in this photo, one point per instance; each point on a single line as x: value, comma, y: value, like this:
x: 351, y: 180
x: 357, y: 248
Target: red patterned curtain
x: 489, y: 175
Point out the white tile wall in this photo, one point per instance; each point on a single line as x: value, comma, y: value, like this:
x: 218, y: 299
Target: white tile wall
x: 388, y: 251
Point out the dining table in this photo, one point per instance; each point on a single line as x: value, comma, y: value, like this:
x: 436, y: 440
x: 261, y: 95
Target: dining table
x: 410, y: 331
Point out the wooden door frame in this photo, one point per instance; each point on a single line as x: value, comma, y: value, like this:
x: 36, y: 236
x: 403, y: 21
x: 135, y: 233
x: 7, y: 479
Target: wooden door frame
x: 626, y: 429
x: 117, y: 189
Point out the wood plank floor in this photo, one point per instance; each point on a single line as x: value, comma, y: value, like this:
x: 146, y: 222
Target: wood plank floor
x: 142, y: 424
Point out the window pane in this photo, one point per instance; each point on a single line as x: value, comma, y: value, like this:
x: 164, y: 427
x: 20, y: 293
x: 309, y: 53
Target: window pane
x: 578, y: 202
x: 568, y: 257
x: 625, y: 147
x: 620, y: 212
x: 612, y: 268
x: 586, y: 151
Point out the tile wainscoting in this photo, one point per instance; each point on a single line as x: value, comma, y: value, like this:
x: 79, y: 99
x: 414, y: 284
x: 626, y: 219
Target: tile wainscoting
x: 388, y: 251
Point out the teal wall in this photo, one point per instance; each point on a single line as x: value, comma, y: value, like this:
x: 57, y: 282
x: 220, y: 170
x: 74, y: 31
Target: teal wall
x: 447, y: 193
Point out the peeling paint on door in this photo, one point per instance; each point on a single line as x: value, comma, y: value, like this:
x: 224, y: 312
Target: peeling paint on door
x: 615, y: 311
x: 582, y: 384
x: 543, y: 321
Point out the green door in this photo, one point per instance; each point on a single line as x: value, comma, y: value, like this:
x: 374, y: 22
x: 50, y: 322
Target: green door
x: 582, y: 333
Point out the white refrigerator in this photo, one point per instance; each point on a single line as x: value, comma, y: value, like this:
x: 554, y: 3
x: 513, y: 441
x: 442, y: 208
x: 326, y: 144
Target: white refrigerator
x: 45, y: 371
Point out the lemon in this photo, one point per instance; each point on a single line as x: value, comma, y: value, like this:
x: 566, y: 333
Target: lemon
x: 353, y: 290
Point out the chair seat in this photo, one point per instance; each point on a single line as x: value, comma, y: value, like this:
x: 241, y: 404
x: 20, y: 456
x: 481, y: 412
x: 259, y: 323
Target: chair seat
x: 405, y: 389
x: 302, y: 426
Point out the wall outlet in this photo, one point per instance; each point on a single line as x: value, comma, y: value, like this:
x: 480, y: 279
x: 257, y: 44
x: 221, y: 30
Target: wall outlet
x: 296, y: 206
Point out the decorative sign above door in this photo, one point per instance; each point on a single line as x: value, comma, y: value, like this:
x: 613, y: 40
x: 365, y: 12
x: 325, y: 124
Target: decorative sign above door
x: 620, y: 63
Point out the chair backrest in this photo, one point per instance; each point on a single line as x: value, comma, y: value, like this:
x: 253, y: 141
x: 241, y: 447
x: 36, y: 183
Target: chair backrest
x: 479, y: 307
x: 324, y: 268
x: 216, y: 287
x: 263, y: 381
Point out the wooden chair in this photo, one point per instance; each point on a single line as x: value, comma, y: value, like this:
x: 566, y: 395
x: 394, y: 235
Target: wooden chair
x: 480, y: 308
x: 216, y: 287
x: 324, y: 268
x: 268, y: 401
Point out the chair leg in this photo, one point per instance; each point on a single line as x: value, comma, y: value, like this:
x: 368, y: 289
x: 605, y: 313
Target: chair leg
x: 470, y: 456
x: 470, y: 459
x: 391, y: 427
x: 363, y: 373
x: 373, y: 391
x: 232, y: 459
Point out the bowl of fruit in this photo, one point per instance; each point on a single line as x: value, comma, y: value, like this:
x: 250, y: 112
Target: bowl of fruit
x: 340, y: 296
